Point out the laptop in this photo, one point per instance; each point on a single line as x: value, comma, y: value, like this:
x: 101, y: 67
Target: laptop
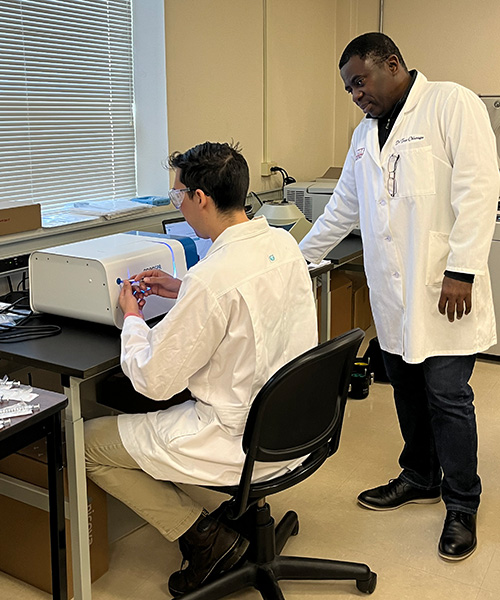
x: 180, y: 227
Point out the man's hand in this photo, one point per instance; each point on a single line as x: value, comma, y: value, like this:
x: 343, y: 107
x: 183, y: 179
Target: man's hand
x: 128, y: 301
x: 159, y: 283
x: 454, y: 296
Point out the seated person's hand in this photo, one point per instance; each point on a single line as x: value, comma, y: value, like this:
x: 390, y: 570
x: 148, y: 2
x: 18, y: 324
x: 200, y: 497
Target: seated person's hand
x: 131, y: 300
x: 159, y: 283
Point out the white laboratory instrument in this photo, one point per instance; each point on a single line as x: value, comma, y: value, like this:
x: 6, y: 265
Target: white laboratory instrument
x: 493, y: 108
x: 494, y: 267
x: 81, y: 280
x: 285, y: 215
x: 311, y: 197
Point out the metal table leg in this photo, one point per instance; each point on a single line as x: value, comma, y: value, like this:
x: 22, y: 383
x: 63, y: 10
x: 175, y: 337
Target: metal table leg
x: 77, y: 489
x: 325, y: 315
x: 56, y: 509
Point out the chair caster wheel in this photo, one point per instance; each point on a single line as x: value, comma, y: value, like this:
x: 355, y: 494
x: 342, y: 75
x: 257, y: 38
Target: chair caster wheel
x: 367, y: 586
x: 291, y: 519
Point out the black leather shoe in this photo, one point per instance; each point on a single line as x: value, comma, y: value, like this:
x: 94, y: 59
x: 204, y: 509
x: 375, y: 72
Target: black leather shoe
x: 210, y: 548
x: 397, y: 493
x: 458, y: 540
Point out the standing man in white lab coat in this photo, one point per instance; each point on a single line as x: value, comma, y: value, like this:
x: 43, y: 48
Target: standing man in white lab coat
x: 241, y: 313
x: 421, y: 178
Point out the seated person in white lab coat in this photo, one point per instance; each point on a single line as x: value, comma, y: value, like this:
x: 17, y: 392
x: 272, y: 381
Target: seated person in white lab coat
x: 241, y: 313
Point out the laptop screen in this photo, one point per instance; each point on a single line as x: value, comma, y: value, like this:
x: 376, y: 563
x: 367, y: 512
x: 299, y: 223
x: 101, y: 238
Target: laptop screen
x: 181, y: 227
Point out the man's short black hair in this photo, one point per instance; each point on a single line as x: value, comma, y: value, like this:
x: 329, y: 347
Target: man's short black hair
x: 219, y: 170
x: 376, y: 46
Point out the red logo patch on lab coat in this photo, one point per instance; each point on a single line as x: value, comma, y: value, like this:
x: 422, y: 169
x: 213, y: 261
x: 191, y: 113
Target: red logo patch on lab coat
x: 359, y: 153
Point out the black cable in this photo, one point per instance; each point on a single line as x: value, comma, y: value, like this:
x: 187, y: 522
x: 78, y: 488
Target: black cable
x: 12, y: 305
x: 285, y: 177
x: 20, y: 332
x: 254, y: 194
x: 28, y: 333
x: 9, y: 281
x: 23, y: 333
x: 23, y: 282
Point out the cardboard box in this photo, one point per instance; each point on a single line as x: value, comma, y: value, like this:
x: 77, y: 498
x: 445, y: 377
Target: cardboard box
x: 332, y: 173
x: 24, y: 543
x: 341, y: 303
x: 361, y: 310
x: 20, y: 218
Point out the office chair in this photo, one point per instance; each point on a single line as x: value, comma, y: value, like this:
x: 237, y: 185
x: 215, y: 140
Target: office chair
x: 298, y: 412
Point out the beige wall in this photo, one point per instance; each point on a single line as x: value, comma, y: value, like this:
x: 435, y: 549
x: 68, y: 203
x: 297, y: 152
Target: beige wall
x: 301, y: 76
x: 259, y: 71
x: 214, y: 73
x: 453, y: 40
x: 264, y: 72
x: 354, y: 17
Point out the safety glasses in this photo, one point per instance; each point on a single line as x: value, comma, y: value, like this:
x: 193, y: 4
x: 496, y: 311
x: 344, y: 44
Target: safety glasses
x: 392, y: 187
x: 177, y: 196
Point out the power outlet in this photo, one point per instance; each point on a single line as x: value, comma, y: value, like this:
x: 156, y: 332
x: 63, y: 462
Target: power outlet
x: 265, y: 168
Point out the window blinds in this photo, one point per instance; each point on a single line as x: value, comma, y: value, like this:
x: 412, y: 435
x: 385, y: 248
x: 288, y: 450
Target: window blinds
x: 66, y: 100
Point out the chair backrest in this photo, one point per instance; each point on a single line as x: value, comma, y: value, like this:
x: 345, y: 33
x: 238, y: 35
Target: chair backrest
x: 298, y: 412
x: 301, y: 407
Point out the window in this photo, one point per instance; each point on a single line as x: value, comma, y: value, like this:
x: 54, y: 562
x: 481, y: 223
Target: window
x: 68, y: 108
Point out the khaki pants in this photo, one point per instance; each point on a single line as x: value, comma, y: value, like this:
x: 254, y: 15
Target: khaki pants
x: 161, y: 503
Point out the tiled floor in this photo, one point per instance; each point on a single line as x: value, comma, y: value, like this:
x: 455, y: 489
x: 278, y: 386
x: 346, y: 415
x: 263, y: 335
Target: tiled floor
x: 399, y: 545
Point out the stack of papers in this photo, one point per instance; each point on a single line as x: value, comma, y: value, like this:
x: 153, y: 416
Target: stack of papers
x: 78, y: 212
x: 312, y: 266
x: 57, y: 217
x: 109, y: 209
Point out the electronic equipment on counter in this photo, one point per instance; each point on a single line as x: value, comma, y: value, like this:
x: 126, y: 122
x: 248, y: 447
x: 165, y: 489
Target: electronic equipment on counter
x: 310, y: 197
x: 82, y: 280
x: 493, y: 107
x: 285, y: 215
x: 179, y: 228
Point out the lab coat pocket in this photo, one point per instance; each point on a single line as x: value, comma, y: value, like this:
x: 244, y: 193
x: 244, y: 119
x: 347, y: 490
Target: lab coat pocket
x: 178, y: 422
x: 416, y: 172
x: 437, y: 257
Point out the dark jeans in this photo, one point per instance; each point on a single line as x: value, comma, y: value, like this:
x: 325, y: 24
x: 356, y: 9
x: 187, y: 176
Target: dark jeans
x: 434, y: 402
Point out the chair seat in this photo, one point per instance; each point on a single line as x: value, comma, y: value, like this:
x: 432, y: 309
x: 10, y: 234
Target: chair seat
x: 298, y: 412
x: 261, y: 489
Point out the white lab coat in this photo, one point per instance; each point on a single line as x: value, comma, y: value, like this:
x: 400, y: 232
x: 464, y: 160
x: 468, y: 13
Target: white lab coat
x: 244, y: 311
x: 441, y: 216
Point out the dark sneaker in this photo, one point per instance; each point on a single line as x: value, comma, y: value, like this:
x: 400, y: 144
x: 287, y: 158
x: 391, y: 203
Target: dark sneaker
x: 397, y: 493
x: 458, y: 540
x: 208, y: 551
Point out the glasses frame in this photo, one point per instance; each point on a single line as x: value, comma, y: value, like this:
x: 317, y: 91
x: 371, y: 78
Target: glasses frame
x: 392, y: 186
x: 177, y: 196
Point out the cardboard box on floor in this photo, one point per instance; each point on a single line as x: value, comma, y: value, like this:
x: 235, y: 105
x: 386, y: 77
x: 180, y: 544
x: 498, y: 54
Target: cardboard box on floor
x: 341, y: 303
x: 361, y: 310
x: 24, y: 542
x: 14, y: 219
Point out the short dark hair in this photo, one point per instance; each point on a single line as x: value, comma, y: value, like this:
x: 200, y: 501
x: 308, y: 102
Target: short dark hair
x: 377, y: 46
x: 219, y: 170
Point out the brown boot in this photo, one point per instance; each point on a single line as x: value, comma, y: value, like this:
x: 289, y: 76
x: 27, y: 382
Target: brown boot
x: 209, y: 548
